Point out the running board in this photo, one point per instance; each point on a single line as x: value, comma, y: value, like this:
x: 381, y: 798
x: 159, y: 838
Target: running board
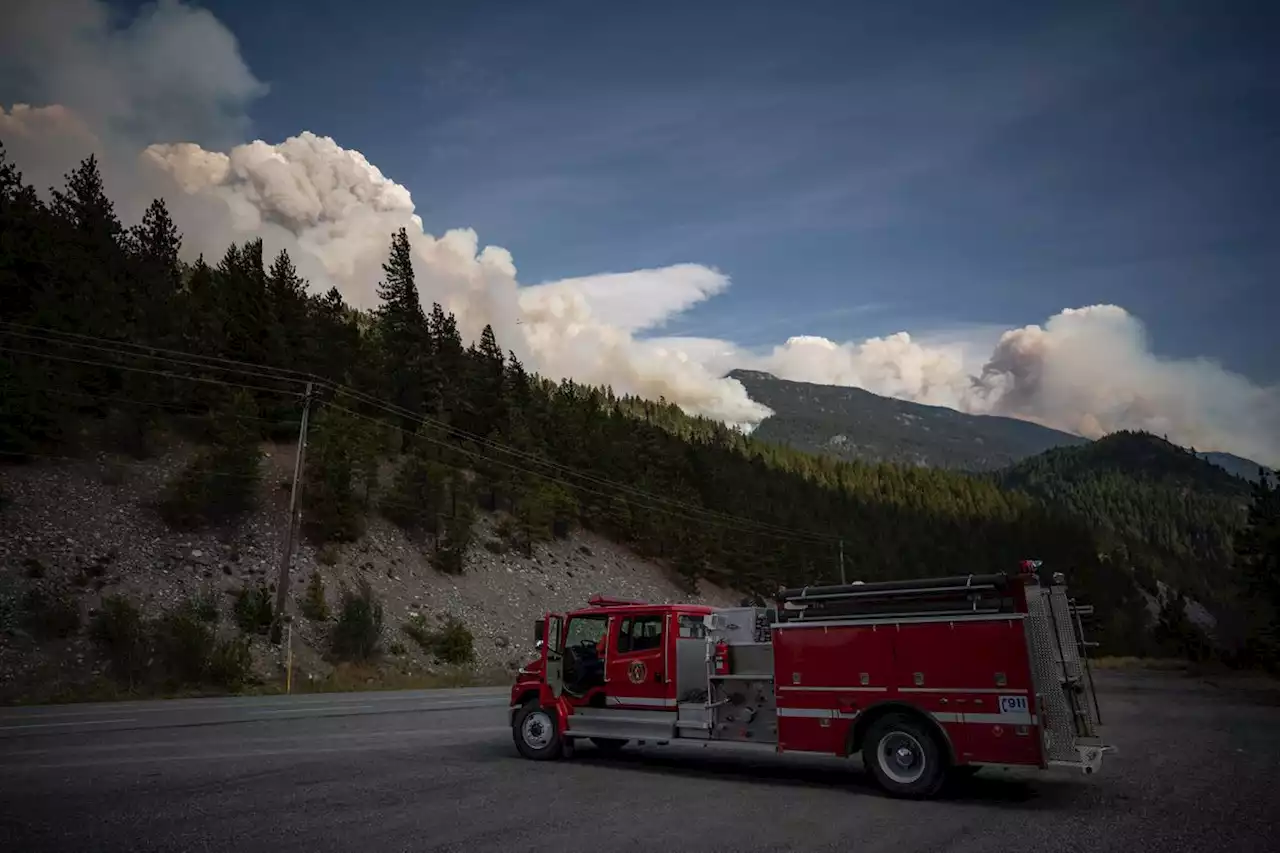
x: 623, y: 728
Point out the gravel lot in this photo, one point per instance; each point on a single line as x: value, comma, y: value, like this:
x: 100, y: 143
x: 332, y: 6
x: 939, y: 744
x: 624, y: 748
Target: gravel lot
x: 1198, y: 770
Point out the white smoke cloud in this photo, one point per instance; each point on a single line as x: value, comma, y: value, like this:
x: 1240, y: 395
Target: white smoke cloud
x: 171, y: 85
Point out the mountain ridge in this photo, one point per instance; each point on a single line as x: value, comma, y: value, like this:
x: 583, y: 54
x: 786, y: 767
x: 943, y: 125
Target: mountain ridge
x: 851, y: 423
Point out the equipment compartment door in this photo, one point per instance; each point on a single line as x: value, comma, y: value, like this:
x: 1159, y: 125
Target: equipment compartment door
x: 641, y: 661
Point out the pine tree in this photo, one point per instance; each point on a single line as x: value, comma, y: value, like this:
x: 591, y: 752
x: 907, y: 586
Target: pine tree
x: 220, y: 484
x: 1258, y: 558
x: 154, y: 248
x: 404, y: 335
x: 337, y: 458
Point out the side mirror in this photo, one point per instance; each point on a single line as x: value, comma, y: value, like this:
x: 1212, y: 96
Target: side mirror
x: 539, y: 630
x: 538, y: 645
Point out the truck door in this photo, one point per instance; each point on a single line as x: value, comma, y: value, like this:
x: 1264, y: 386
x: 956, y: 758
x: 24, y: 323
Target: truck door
x: 640, y: 661
x: 553, y: 652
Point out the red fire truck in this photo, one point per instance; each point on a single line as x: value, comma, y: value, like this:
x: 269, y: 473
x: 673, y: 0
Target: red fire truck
x: 927, y: 679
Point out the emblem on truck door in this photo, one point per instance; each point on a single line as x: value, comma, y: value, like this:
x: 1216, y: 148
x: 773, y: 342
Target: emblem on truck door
x: 635, y: 672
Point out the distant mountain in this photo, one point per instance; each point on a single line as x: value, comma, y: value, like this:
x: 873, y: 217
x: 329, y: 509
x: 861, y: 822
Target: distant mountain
x: 851, y: 423
x: 1245, y: 469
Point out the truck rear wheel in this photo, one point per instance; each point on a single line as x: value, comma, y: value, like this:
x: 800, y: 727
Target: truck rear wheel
x: 535, y: 733
x: 904, y: 757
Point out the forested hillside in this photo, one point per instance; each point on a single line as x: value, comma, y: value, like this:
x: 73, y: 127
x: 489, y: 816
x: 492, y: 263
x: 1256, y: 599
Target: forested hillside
x: 108, y: 339
x: 1179, y: 513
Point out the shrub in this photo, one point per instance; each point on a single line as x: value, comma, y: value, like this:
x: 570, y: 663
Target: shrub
x: 191, y: 653
x: 131, y: 430
x: 417, y: 495
x: 185, y: 644
x: 221, y: 482
x: 451, y: 643
x: 254, y: 609
x: 230, y: 664
x: 340, y: 454
x: 119, y: 629
x: 51, y: 614
x: 205, y: 605
x: 314, y: 606
x: 455, y: 539
x: 359, y: 628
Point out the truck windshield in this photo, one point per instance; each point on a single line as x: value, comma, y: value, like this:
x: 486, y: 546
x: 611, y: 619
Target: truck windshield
x: 588, y: 628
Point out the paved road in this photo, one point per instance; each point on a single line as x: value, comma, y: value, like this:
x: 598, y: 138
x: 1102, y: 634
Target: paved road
x: 436, y: 771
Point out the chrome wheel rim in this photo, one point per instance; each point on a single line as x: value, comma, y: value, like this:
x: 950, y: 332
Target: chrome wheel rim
x: 536, y: 730
x: 901, y: 757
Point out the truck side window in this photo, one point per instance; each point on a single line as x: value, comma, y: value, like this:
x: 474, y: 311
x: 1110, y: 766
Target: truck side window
x: 692, y: 627
x: 639, y: 633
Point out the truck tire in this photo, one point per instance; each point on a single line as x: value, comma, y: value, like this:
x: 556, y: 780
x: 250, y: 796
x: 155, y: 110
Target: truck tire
x: 608, y: 744
x: 904, y: 757
x: 535, y: 733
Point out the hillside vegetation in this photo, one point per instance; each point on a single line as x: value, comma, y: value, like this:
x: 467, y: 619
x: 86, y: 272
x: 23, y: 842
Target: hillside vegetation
x: 108, y: 339
x: 1176, y: 514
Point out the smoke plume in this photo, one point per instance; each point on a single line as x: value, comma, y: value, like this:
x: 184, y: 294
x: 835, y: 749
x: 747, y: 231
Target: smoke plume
x: 163, y: 100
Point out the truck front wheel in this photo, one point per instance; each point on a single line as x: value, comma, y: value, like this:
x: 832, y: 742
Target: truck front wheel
x: 904, y: 757
x: 535, y: 733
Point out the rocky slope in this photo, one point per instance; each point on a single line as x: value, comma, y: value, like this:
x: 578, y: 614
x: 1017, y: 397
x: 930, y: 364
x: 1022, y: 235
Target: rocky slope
x: 86, y: 529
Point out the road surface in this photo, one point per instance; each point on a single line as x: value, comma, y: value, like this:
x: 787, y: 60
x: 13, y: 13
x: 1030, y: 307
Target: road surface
x: 1198, y: 770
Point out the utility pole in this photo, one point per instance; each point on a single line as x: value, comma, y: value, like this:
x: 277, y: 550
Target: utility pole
x: 842, y: 580
x: 286, y: 558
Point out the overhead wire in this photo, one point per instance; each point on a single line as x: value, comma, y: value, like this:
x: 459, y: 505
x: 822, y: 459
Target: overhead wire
x: 682, y: 505
x: 231, y: 362
x: 746, y: 525
x: 191, y: 361
x: 116, y: 347
x: 168, y: 374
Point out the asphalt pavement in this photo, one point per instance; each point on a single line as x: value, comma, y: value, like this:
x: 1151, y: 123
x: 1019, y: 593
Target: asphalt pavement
x: 1198, y: 769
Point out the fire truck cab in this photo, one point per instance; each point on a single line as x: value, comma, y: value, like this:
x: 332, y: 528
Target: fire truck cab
x: 926, y: 679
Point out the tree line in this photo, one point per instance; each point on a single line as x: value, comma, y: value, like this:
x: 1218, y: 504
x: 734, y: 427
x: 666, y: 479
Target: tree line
x: 463, y: 426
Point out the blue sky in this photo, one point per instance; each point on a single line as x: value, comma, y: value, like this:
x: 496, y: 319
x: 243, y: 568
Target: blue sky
x: 856, y: 168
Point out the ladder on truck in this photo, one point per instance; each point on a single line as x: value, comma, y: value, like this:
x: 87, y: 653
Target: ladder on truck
x: 931, y: 598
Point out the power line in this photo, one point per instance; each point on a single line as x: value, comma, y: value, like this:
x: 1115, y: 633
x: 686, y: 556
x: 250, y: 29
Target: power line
x: 298, y: 376
x: 175, y: 409
x: 374, y: 504
x: 167, y: 374
x: 741, y: 525
x: 682, y: 505
x: 115, y: 350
